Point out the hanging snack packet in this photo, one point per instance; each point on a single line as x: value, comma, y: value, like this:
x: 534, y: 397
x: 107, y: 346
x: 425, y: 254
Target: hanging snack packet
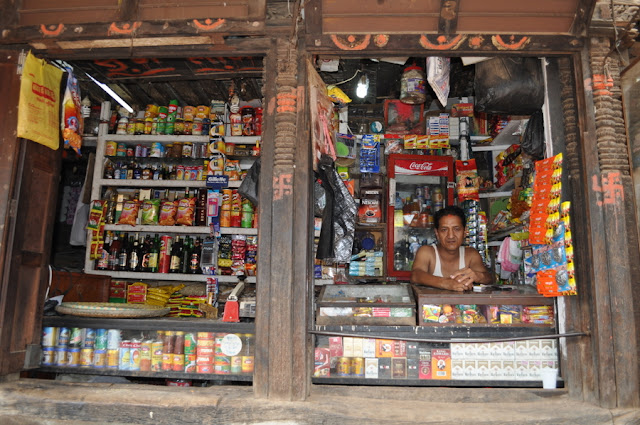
x: 150, y: 211
x: 96, y: 214
x: 467, y: 180
x: 370, y: 154
x: 168, y: 211
x: 129, y: 213
x: 72, y: 121
x: 232, y: 169
x: 186, y: 211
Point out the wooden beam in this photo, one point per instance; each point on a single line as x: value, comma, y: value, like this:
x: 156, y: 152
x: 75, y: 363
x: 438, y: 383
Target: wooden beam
x: 584, y: 14
x: 448, y: 20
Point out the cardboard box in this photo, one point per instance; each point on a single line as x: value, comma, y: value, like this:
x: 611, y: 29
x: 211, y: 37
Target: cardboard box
x: 521, y: 350
x: 496, y: 371
x: 347, y: 346
x: 483, y: 370
x: 470, y: 351
x: 533, y: 347
x: 384, y: 368
x: 457, y: 351
x: 508, y: 350
x: 495, y: 351
x: 470, y: 369
x: 357, y: 347
x: 482, y: 352
x: 399, y: 368
x: 548, y: 351
x: 441, y: 363
x: 369, y: 347
x: 384, y: 347
x: 424, y: 367
x: 457, y: 369
x: 534, y: 370
x: 400, y: 349
x: 509, y: 370
x: 412, y: 350
x: 371, y: 368
x: 522, y: 370
x: 335, y: 345
x: 413, y: 368
x: 322, y: 365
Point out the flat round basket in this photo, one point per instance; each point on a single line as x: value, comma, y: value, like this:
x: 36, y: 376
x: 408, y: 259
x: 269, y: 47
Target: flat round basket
x: 114, y: 310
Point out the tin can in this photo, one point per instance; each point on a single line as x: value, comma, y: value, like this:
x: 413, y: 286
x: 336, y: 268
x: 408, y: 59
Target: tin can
x: 156, y: 356
x: 247, y: 364
x: 189, y: 343
x: 88, y: 338
x: 48, y: 356
x: 222, y: 365
x: 100, y: 359
x: 134, y: 353
x: 196, y: 128
x: 217, y: 128
x: 49, y: 336
x: 73, y: 357
x: 113, y: 359
x: 138, y: 151
x: 357, y: 366
x: 124, y: 359
x: 178, y: 363
x: 343, y: 366
x: 75, y: 338
x: 145, y: 356
x: 157, y: 150
x: 204, y: 368
x: 180, y: 172
x: 63, y: 337
x: 86, y: 357
x: 205, y: 336
x: 111, y: 148
x: 190, y: 363
x: 60, y: 356
x: 187, y: 149
x: 121, y: 150
x: 113, y: 339
x: 247, y: 121
x: 206, y: 125
x: 236, y: 365
x: 130, y: 152
x: 101, y: 339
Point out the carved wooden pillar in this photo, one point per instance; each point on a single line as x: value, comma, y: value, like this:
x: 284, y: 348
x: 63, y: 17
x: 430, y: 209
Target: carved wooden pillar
x: 612, y: 242
x: 282, y: 312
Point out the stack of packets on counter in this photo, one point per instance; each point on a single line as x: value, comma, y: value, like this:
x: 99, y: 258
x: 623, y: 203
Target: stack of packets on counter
x: 96, y: 223
x: 160, y: 295
x: 237, y: 255
x: 186, y: 306
x: 468, y: 186
x: 551, y: 257
x: 508, y: 164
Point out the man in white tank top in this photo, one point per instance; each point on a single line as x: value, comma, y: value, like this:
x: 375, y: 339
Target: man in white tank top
x: 448, y: 264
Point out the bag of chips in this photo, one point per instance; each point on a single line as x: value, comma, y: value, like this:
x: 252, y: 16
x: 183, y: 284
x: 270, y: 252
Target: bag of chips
x: 168, y: 211
x: 186, y: 211
x: 150, y: 211
x: 129, y: 213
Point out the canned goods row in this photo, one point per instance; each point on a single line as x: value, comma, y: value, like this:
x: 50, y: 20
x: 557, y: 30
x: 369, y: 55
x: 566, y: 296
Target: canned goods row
x: 77, y: 337
x: 158, y: 150
x: 187, y: 352
x: 350, y: 366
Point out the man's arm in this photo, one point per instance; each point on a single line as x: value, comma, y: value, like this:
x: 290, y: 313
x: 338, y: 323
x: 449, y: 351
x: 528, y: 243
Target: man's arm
x: 476, y: 272
x: 421, y: 276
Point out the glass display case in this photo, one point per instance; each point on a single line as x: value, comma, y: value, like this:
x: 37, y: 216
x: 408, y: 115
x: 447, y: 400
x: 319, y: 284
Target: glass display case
x: 418, y: 186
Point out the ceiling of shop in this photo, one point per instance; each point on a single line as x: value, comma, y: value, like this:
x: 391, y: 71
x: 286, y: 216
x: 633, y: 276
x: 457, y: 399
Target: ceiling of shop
x: 192, y: 81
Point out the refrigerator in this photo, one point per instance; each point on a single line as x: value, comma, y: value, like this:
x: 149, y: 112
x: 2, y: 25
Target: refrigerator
x: 418, y: 185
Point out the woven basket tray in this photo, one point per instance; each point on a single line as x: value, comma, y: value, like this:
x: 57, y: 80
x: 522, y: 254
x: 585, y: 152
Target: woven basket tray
x: 113, y: 310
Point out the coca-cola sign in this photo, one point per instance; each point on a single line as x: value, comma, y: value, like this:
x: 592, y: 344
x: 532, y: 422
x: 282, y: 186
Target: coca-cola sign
x: 415, y: 167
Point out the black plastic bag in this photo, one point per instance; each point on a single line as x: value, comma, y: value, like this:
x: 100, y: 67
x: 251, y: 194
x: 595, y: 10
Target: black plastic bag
x: 533, y: 136
x: 507, y: 85
x: 250, y: 185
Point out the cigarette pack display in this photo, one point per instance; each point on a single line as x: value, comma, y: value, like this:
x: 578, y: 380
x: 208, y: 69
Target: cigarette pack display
x: 368, y: 347
x: 457, y: 369
x: 384, y: 368
x: 399, y: 368
x: 470, y: 369
x: 413, y: 368
x: 441, y: 363
x: 371, y: 368
x: 496, y: 372
x: 322, y: 362
x: 357, y: 347
x: 347, y: 346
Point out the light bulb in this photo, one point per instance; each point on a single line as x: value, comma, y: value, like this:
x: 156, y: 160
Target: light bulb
x: 363, y: 87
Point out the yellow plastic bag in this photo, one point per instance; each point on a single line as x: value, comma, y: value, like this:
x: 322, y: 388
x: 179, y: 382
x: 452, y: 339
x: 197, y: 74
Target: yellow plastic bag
x: 39, y: 105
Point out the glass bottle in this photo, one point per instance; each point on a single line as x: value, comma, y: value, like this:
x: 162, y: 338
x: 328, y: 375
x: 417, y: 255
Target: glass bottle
x: 176, y: 256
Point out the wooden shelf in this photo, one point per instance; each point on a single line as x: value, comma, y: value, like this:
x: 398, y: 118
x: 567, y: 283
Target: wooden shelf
x: 518, y: 295
x: 449, y: 333
x: 430, y: 382
x: 157, y: 138
x: 187, y: 324
x: 138, y: 374
x: 159, y: 183
x: 168, y: 276
x: 196, y: 230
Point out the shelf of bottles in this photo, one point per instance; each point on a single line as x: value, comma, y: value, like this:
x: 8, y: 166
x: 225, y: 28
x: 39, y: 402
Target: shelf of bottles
x: 416, y: 200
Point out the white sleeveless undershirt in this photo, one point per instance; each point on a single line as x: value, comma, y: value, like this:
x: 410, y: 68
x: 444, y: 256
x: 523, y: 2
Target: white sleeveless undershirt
x: 437, y: 271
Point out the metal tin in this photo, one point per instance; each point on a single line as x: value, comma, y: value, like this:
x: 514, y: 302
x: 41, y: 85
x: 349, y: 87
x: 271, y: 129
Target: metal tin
x: 75, y: 338
x: 222, y: 365
x: 113, y: 357
x: 190, y: 363
x: 236, y: 365
x: 134, y: 353
x: 357, y: 366
x: 124, y: 359
x: 48, y: 356
x: 189, y: 343
x: 204, y: 368
x: 145, y: 356
x: 63, y: 337
x: 49, y: 336
x: 99, y: 359
x: 88, y: 338
x: 111, y: 149
x: 156, y: 356
x: 121, y: 150
x: 60, y: 356
x: 101, y: 339
x: 86, y: 357
x: 178, y: 363
x: 343, y: 366
x: 73, y: 357
x: 247, y: 364
x: 113, y: 339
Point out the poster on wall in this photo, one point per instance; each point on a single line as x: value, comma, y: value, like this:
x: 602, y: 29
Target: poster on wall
x: 321, y: 107
x: 39, y: 104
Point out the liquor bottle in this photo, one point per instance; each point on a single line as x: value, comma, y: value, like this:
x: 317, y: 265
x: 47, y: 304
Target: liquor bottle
x: 154, y: 254
x: 135, y: 257
x: 102, y: 263
x: 186, y: 255
x: 123, y: 256
x: 176, y: 256
x: 144, y: 252
x: 114, y: 252
x: 194, y: 264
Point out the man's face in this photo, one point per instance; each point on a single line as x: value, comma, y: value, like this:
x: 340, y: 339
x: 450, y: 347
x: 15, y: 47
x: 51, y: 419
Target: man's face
x: 451, y: 232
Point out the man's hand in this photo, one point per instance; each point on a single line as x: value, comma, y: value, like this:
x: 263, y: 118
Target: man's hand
x: 464, y: 279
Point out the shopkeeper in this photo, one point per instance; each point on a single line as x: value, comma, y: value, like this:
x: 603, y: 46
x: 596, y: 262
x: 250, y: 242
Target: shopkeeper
x: 448, y: 264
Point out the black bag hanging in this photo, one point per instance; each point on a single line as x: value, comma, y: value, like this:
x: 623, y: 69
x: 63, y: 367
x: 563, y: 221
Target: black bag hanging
x: 508, y: 85
x: 250, y: 185
x: 533, y: 137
